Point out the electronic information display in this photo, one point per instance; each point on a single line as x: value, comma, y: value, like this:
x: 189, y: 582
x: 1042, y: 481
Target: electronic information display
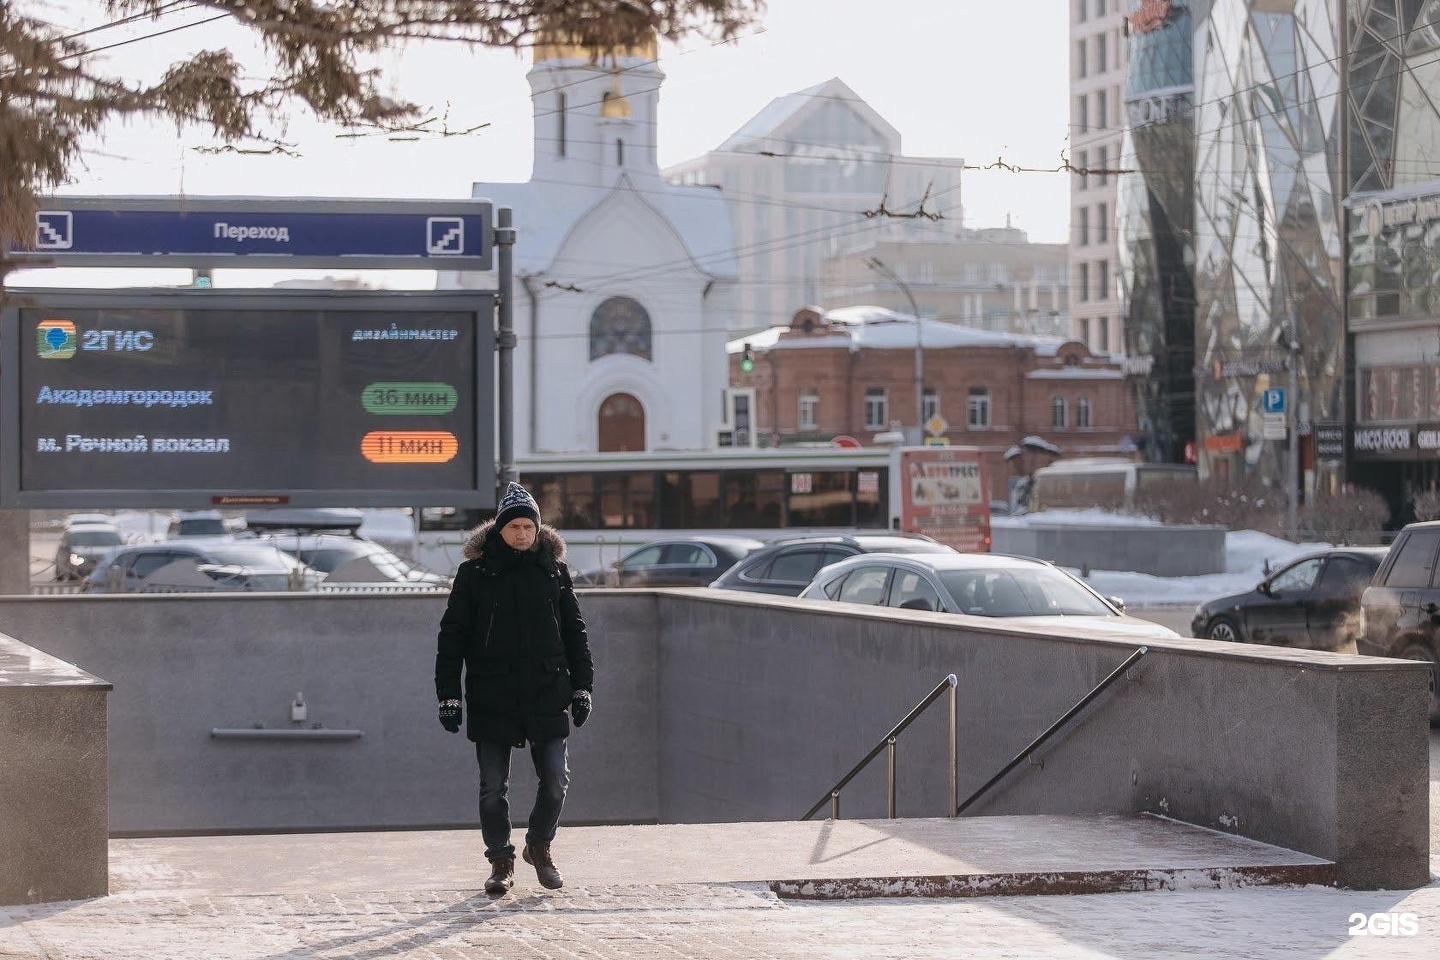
x: 202, y: 398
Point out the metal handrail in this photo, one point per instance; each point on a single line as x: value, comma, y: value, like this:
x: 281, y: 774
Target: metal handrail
x: 887, y: 743
x: 1069, y: 714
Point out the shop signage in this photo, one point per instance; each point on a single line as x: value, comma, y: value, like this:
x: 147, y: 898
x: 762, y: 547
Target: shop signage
x: 1382, y: 440
x: 1329, y: 441
x: 1148, y: 110
x: 1225, y: 443
x: 1380, y: 215
x: 1428, y: 438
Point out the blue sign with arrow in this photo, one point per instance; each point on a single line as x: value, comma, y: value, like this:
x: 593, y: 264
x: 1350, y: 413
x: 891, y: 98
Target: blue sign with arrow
x: 201, y: 232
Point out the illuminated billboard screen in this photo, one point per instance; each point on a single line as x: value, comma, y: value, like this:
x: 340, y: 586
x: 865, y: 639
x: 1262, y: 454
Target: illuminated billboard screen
x: 181, y: 398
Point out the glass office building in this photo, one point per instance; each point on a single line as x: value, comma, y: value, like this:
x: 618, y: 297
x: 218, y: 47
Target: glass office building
x: 1155, y: 212
x: 1267, y: 243
x: 1393, y: 238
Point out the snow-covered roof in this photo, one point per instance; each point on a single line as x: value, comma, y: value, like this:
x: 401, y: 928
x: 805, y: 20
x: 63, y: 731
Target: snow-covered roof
x: 546, y: 213
x: 767, y: 123
x: 1075, y: 373
x: 878, y: 328
x: 762, y: 341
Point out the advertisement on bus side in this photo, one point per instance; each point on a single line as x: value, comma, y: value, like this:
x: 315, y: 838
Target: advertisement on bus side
x: 943, y: 495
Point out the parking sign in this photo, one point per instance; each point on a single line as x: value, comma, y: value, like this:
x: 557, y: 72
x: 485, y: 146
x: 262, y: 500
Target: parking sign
x: 1274, y: 400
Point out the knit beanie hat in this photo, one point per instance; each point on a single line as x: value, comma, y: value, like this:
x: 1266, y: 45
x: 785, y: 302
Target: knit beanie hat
x: 516, y: 502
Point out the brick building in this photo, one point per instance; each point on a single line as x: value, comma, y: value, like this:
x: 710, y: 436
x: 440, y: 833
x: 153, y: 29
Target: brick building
x: 851, y: 372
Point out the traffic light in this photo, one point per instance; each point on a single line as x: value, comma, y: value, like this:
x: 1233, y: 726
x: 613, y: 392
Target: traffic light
x: 747, y: 360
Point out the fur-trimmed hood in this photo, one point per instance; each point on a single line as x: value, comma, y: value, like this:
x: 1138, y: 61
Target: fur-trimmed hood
x: 549, y: 540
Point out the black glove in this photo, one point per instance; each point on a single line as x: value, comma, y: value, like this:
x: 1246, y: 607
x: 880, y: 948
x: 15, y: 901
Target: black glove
x: 450, y: 715
x: 580, y: 707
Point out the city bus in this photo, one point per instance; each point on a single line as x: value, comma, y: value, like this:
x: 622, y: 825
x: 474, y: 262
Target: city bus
x: 606, y: 504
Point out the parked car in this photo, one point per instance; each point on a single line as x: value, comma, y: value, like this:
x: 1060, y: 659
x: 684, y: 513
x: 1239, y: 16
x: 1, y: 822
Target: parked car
x: 346, y: 559
x: 681, y: 562
x: 989, y: 585
x: 197, y: 564
x: 1312, y: 602
x: 81, y: 547
x: 88, y: 519
x: 1400, y: 610
x: 204, y: 523
x: 786, y: 566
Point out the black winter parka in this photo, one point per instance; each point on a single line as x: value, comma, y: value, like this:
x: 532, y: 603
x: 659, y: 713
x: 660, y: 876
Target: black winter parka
x: 513, y: 624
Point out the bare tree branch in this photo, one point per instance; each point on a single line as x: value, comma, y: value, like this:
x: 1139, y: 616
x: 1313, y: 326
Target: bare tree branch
x: 55, y: 91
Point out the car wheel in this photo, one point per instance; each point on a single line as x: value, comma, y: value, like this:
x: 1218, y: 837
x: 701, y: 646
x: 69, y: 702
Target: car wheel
x: 1420, y: 651
x: 1223, y: 628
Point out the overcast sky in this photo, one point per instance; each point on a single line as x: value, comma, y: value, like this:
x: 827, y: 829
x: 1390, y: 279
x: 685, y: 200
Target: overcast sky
x: 972, y: 79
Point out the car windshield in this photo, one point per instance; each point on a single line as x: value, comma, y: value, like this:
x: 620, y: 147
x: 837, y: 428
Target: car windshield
x: 199, y: 527
x: 254, y: 556
x: 1038, y: 592
x: 326, y: 559
x: 95, y: 538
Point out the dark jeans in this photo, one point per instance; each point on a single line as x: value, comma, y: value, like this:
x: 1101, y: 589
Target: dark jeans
x: 554, y: 775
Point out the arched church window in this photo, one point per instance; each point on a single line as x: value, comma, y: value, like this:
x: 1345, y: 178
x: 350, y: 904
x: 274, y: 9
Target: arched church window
x: 620, y: 325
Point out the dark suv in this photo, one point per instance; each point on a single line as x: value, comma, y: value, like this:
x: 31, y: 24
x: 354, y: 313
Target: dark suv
x: 787, y: 566
x: 1400, y: 610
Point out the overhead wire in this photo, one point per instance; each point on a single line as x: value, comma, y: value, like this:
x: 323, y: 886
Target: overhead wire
x: 757, y: 199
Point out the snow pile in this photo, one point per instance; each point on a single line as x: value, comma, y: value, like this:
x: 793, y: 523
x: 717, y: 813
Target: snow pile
x: 1092, y: 516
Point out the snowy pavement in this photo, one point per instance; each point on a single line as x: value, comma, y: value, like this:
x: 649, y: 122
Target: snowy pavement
x: 417, y: 895
x: 729, y: 922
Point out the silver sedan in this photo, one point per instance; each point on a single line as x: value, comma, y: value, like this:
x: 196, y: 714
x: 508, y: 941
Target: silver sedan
x: 1011, y: 589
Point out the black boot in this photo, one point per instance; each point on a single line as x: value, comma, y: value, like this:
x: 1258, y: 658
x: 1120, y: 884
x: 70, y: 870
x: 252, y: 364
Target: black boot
x: 538, y: 854
x: 502, y: 876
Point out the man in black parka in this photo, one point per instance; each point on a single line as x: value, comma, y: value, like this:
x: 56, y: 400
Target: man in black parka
x: 514, y: 625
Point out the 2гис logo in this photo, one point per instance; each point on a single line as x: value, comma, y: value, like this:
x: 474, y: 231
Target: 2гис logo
x: 55, y: 339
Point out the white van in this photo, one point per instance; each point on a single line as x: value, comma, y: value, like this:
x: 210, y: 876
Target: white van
x: 1110, y: 483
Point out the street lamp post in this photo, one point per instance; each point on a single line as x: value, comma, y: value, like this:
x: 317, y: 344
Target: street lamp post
x: 875, y: 264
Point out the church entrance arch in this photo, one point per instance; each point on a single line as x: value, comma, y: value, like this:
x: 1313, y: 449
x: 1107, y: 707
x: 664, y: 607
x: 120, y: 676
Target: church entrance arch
x: 622, y: 424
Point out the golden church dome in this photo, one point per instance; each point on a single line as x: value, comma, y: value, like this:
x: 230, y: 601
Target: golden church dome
x: 562, y: 45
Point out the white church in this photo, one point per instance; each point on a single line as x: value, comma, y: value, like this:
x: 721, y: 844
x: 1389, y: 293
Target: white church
x: 623, y: 283
x: 630, y: 281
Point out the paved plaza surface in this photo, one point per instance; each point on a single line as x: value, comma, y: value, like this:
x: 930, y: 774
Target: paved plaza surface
x: 704, y: 891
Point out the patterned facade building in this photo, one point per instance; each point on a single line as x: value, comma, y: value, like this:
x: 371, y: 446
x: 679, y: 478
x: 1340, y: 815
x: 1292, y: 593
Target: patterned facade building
x: 1393, y: 239
x: 1156, y: 210
x: 1267, y: 233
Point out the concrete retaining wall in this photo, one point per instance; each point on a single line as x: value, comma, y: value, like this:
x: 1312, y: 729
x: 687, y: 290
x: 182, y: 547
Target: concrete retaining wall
x: 714, y: 706
x: 767, y: 703
x: 185, y: 665
x: 53, y: 843
x: 1168, y: 551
